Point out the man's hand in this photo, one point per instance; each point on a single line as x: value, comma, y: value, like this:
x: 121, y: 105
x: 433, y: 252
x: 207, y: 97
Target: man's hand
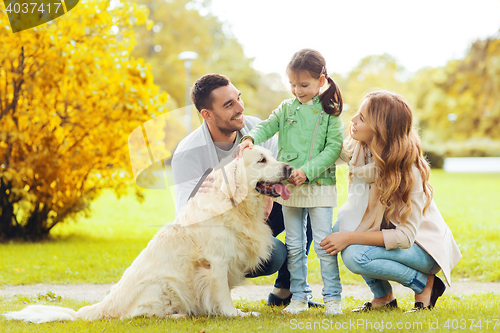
x: 336, y: 242
x: 247, y: 143
x: 268, y: 208
x: 298, y: 177
x: 206, y: 185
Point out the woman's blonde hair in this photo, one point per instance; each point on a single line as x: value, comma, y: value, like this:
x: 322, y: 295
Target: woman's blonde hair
x: 396, y: 149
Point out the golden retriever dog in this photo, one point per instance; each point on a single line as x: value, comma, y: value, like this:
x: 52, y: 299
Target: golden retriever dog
x: 190, y: 266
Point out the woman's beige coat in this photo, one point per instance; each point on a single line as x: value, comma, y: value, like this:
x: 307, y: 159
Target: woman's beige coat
x: 428, y: 229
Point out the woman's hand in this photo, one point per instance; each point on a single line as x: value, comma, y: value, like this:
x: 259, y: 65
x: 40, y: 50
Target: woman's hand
x: 336, y: 242
x: 247, y: 143
x: 297, y: 177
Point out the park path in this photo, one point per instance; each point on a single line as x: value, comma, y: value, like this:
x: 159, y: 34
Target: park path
x: 96, y: 292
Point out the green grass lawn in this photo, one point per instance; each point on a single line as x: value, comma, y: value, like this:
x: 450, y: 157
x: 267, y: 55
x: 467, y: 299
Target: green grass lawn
x: 470, y: 206
x: 96, y: 249
x: 476, y: 313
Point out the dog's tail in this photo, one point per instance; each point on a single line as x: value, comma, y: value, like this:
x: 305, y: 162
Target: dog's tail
x: 42, y: 313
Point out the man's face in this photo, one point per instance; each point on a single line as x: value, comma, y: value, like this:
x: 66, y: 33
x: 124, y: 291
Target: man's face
x: 227, y: 109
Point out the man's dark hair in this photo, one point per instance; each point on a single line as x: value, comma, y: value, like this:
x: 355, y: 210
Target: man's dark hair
x: 201, y: 93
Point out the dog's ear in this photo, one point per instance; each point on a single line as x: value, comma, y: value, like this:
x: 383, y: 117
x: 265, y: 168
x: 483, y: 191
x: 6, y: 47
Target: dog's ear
x: 234, y: 183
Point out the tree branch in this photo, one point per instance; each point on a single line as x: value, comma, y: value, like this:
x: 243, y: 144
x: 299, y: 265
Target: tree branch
x: 17, y: 86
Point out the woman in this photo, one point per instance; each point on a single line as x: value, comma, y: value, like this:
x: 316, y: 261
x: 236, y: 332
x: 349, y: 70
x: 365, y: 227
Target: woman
x: 390, y: 228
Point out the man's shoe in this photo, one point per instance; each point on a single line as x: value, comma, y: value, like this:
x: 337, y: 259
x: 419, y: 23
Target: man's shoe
x: 274, y: 300
x: 313, y: 304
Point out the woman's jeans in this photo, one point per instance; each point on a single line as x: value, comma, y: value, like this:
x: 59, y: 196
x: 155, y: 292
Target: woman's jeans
x: 295, y: 227
x: 377, y: 266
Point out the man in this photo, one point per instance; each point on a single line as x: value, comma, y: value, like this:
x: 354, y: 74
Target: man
x: 221, y: 107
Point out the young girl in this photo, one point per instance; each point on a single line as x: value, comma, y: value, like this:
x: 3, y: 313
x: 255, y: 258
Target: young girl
x: 310, y: 139
x: 390, y: 228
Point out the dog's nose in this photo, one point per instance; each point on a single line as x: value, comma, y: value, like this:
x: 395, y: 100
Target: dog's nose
x: 287, y: 170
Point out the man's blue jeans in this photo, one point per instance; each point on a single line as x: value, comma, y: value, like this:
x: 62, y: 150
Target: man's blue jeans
x: 275, y: 262
x: 278, y: 261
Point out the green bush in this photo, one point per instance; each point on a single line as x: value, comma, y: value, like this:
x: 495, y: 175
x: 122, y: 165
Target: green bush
x: 435, y: 159
x: 475, y: 147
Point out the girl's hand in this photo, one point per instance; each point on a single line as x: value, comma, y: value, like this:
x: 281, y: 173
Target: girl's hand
x: 297, y: 177
x: 336, y: 242
x: 247, y: 143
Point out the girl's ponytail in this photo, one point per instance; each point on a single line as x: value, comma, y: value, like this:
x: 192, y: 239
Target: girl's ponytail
x: 331, y: 99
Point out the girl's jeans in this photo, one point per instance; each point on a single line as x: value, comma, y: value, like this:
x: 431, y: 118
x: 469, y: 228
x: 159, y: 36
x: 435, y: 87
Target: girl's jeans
x: 377, y: 265
x: 295, y: 227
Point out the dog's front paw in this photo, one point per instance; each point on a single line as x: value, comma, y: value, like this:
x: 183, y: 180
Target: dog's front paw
x: 233, y: 312
x: 247, y: 314
x: 177, y: 316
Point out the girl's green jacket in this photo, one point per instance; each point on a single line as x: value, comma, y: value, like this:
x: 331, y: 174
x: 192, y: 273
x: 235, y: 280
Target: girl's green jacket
x: 309, y: 138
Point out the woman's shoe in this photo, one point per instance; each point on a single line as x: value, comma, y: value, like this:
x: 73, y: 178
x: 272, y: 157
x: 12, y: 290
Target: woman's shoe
x: 419, y: 306
x: 367, y: 306
x: 438, y: 289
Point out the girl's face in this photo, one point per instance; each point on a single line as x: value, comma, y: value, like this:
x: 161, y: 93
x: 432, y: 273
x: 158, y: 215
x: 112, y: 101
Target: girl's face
x: 359, y: 128
x: 304, y: 86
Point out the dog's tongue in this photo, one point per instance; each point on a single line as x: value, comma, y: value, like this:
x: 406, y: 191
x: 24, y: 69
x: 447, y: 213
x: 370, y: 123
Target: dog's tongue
x: 282, y: 190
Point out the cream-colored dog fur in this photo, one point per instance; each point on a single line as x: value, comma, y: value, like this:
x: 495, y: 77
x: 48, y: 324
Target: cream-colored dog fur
x: 189, y: 267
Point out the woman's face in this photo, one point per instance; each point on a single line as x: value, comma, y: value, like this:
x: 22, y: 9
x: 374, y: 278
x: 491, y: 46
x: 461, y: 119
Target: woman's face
x: 359, y: 128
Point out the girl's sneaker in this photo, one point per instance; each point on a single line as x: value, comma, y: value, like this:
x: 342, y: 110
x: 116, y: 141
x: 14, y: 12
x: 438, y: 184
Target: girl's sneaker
x: 295, y: 307
x: 333, y: 308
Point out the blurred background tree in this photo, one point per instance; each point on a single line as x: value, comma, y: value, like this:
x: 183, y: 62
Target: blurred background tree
x: 462, y: 101
x: 70, y: 94
x: 372, y: 73
x: 457, y: 106
x: 184, y: 25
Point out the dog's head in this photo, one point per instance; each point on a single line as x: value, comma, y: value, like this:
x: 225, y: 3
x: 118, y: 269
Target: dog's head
x: 258, y: 170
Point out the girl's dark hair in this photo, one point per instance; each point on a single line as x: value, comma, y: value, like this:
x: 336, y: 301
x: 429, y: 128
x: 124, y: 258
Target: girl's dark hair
x: 312, y: 61
x: 201, y: 93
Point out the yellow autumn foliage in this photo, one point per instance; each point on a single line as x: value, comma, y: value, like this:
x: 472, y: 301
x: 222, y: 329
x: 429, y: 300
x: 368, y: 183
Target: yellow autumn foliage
x: 70, y: 94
